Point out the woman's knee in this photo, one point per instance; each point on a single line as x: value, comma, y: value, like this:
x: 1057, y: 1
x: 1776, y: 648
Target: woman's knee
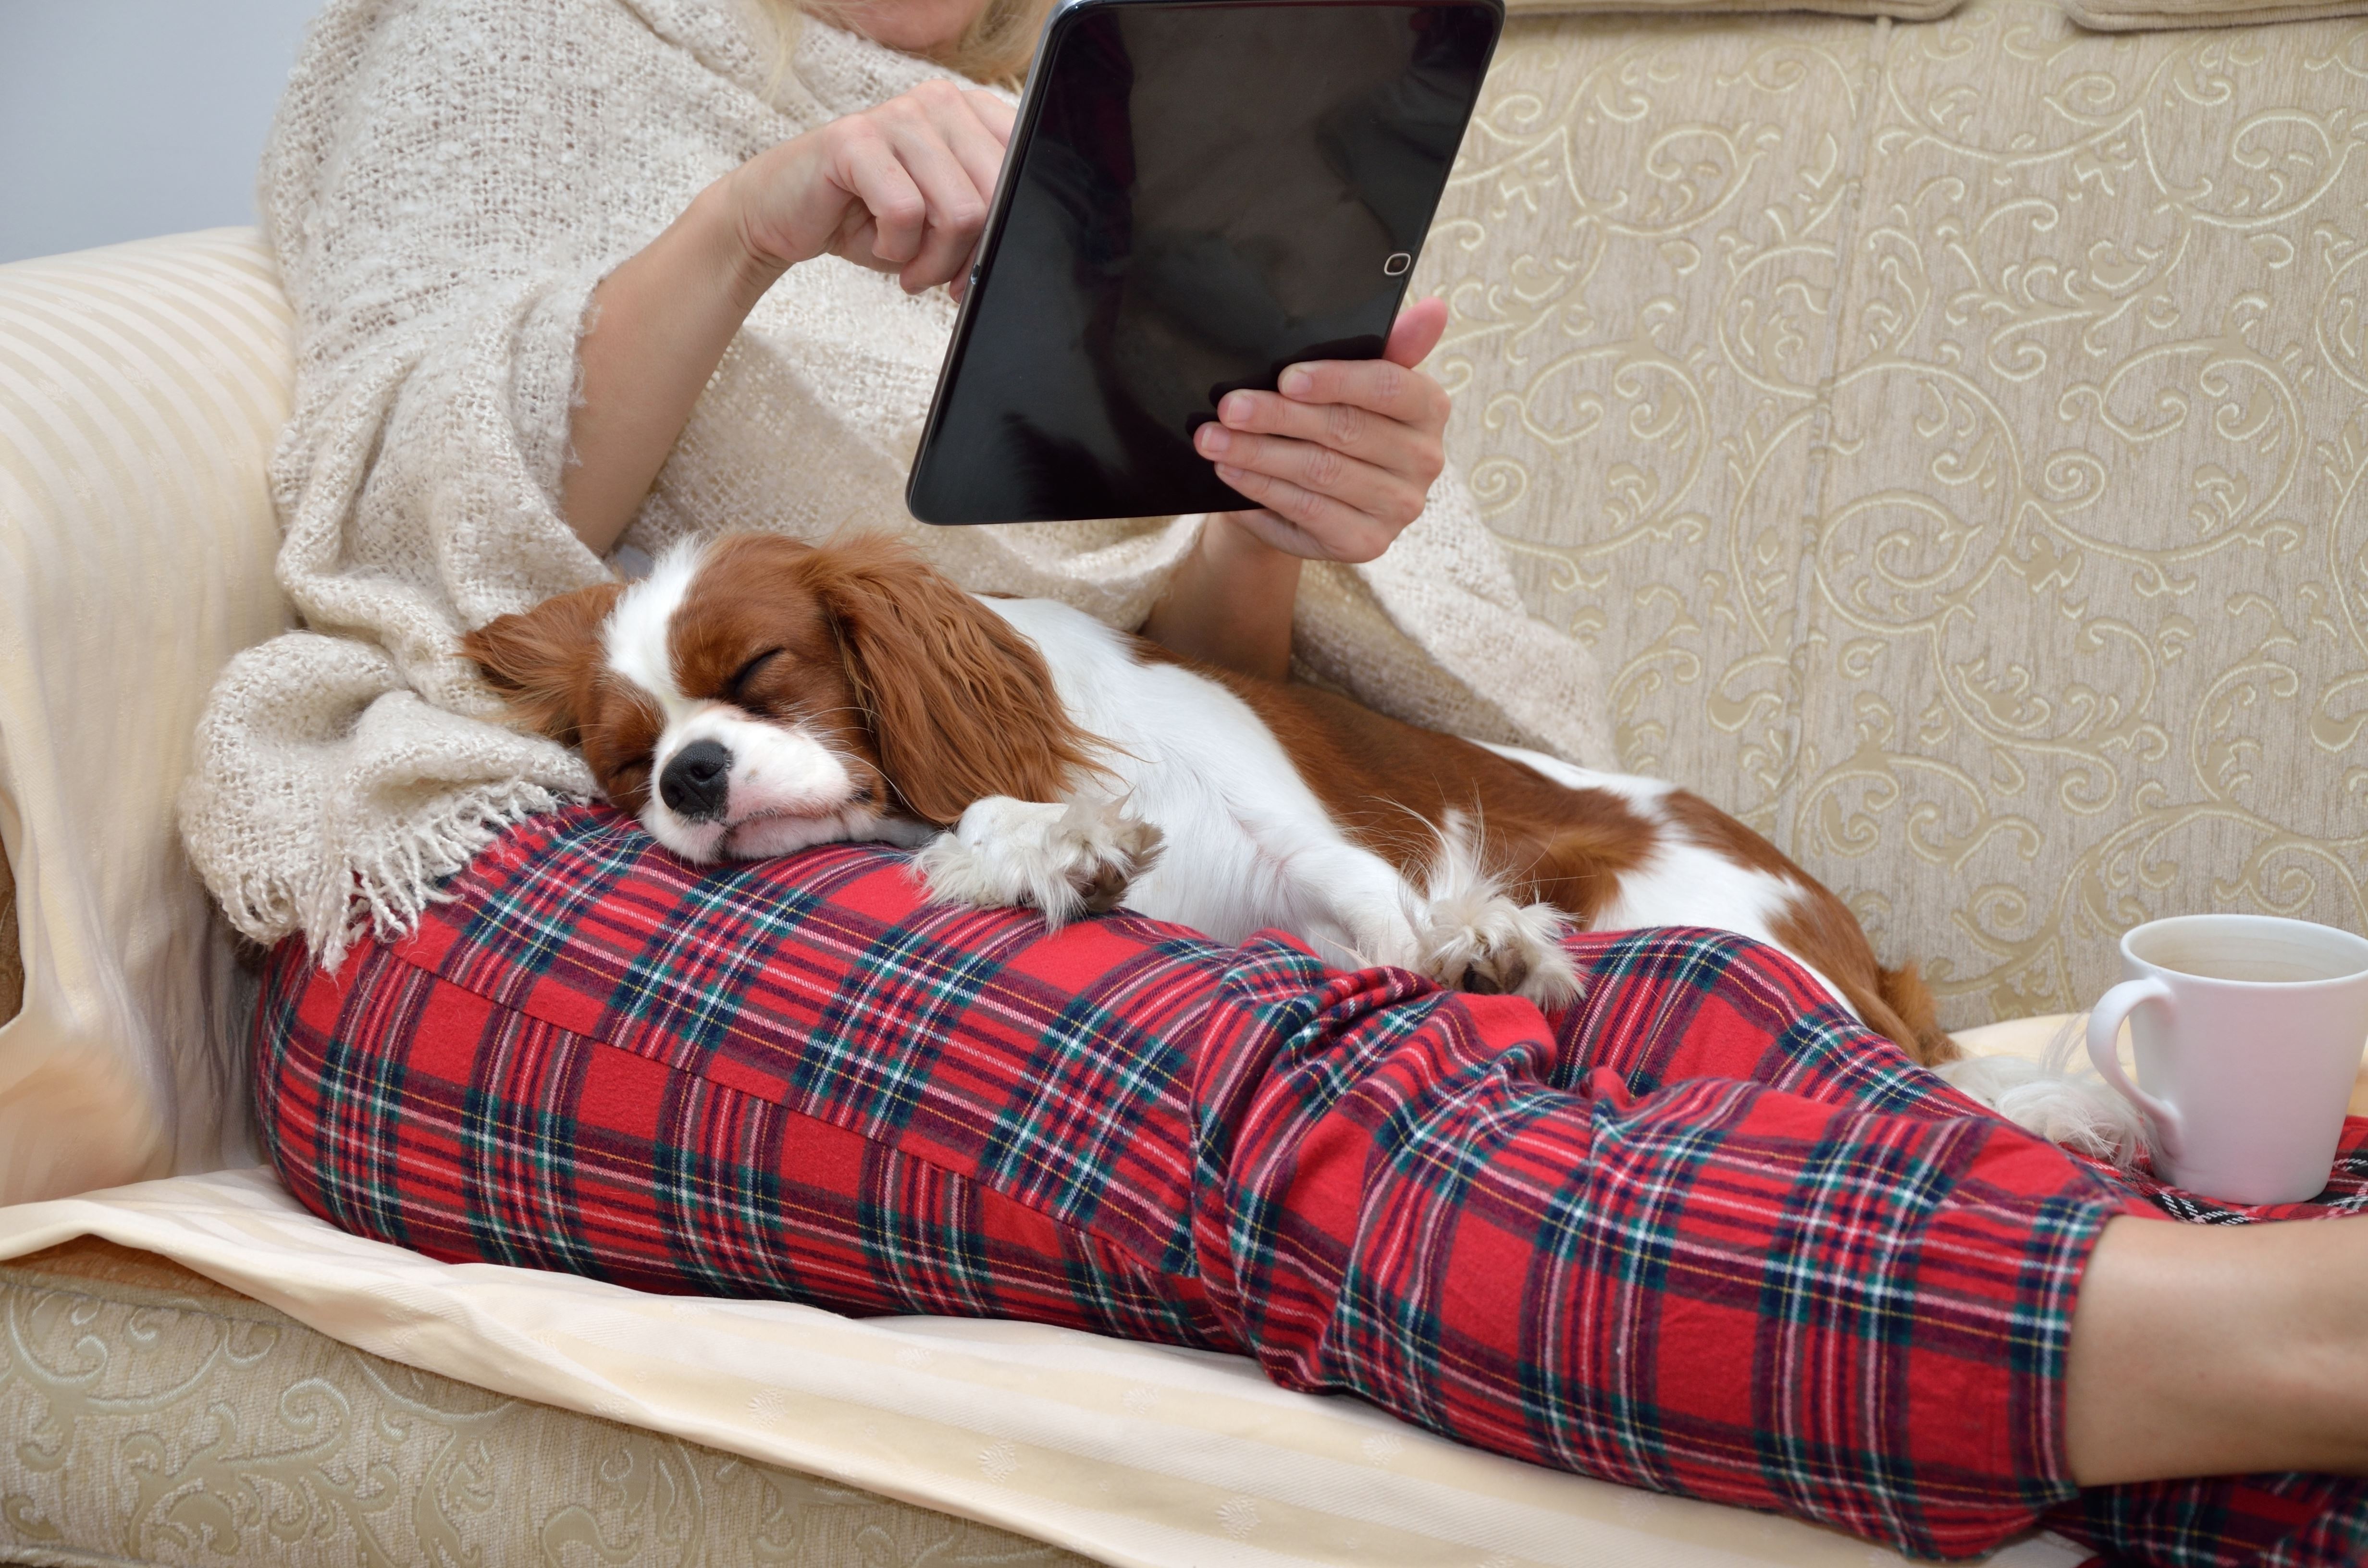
x: 1664, y: 1004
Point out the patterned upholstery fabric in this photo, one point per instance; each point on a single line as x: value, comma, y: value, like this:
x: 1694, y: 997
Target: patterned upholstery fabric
x: 155, y: 1416
x: 1951, y: 438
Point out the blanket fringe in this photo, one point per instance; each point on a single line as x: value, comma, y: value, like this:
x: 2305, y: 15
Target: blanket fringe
x: 382, y: 894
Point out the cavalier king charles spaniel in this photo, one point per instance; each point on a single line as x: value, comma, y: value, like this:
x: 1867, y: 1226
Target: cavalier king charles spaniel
x: 756, y: 695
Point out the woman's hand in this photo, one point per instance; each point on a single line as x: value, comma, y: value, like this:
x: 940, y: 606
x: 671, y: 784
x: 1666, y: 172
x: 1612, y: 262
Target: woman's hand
x: 903, y: 187
x: 1342, y: 457
x: 1341, y: 461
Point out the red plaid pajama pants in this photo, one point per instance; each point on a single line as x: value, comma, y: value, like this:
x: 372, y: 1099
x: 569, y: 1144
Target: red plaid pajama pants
x: 1698, y: 1232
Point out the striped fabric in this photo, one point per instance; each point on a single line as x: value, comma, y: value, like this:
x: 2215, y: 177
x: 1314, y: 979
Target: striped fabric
x: 141, y: 388
x: 1700, y: 1234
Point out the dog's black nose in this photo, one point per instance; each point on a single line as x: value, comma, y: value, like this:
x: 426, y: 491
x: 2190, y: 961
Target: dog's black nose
x: 698, y: 782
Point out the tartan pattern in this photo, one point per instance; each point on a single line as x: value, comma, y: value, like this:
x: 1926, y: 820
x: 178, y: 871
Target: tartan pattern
x: 1697, y: 1233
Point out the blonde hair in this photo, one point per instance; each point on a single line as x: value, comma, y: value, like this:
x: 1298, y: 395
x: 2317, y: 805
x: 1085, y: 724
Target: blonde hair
x: 995, y: 48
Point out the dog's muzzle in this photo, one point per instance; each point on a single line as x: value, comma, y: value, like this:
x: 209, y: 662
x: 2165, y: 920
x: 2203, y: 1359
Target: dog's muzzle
x: 697, y: 783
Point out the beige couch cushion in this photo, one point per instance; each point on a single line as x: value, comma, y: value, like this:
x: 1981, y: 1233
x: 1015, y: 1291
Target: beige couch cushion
x: 165, y: 1419
x: 2139, y: 16
x: 1953, y: 440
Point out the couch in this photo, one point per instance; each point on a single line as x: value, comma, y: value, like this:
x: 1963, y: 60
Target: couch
x: 1950, y: 438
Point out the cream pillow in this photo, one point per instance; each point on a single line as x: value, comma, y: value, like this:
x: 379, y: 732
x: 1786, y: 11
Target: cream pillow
x: 141, y: 390
x: 2138, y: 16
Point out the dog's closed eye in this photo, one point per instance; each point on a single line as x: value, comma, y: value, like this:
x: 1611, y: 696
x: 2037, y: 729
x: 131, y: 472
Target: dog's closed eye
x: 736, y: 689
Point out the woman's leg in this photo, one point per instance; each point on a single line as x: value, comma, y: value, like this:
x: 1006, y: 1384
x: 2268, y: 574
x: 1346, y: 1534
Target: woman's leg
x: 1711, y: 1287
x: 2209, y: 1350
x: 791, y: 1078
x: 2203, y: 1350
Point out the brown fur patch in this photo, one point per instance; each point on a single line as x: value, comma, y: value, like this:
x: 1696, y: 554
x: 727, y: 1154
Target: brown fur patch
x: 542, y: 660
x: 546, y: 663
x: 958, y: 704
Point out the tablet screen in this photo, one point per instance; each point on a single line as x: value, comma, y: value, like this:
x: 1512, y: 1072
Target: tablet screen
x: 1200, y: 195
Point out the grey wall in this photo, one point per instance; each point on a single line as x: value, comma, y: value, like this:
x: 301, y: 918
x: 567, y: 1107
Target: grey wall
x: 121, y: 118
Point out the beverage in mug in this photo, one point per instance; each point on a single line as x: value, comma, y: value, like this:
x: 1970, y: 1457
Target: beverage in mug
x: 2248, y: 1030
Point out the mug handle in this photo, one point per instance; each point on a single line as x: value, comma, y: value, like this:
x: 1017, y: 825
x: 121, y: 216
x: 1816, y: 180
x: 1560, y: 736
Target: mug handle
x: 2104, y: 1033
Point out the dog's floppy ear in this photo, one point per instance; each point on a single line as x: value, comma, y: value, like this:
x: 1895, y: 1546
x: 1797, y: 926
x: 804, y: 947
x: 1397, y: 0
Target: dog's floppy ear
x: 960, y: 705
x: 542, y: 660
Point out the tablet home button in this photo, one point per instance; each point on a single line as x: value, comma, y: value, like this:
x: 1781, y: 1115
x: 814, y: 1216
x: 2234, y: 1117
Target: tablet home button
x: 1396, y: 264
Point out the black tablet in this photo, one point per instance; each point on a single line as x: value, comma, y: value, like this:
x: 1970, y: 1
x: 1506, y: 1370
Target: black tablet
x: 1198, y: 193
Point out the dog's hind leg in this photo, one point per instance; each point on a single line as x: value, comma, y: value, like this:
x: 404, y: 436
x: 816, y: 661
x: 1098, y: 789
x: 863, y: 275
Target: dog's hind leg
x: 1472, y: 933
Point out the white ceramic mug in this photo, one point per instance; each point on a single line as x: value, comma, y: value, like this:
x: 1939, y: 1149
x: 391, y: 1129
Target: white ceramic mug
x: 2248, y: 1030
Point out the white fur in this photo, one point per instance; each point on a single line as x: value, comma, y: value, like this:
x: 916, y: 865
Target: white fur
x: 2050, y: 1097
x: 1005, y: 852
x: 633, y: 640
x: 1465, y: 925
x: 1250, y: 844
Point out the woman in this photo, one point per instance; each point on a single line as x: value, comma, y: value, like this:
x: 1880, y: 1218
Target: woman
x: 573, y: 271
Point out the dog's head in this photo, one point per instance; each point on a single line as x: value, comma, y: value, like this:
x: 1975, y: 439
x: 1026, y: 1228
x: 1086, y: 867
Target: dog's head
x: 757, y: 694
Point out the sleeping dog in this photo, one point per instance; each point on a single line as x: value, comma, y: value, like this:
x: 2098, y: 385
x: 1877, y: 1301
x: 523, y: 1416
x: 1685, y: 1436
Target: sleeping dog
x: 757, y: 695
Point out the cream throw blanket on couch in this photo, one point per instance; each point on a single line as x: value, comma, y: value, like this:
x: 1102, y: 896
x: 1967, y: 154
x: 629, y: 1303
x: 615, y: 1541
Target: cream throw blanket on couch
x: 447, y: 182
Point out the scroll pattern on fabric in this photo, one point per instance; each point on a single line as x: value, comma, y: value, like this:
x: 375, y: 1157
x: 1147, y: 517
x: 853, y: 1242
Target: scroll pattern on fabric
x: 1951, y: 439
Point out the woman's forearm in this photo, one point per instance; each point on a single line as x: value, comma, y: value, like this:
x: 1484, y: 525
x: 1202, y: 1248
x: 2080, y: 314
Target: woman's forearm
x: 660, y: 324
x: 902, y: 188
x: 1230, y: 601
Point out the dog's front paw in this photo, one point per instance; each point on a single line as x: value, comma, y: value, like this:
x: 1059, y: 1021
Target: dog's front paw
x: 1496, y: 947
x: 1066, y: 859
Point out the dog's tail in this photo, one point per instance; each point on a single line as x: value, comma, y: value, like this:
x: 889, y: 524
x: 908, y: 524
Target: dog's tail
x: 1897, y: 1007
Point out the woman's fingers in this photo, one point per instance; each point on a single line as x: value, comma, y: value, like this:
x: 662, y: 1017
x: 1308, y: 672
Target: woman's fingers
x: 1416, y: 332
x: 909, y: 161
x: 983, y: 129
x: 1411, y: 451
x: 952, y: 142
x: 1392, y: 499
x: 996, y: 116
x: 866, y: 165
x: 1301, y: 522
x: 902, y: 188
x: 1394, y: 392
x: 1342, y: 457
x: 954, y: 208
x: 978, y: 151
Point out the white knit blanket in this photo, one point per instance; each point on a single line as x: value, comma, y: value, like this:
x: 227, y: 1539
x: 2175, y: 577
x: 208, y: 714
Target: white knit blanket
x: 446, y: 184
